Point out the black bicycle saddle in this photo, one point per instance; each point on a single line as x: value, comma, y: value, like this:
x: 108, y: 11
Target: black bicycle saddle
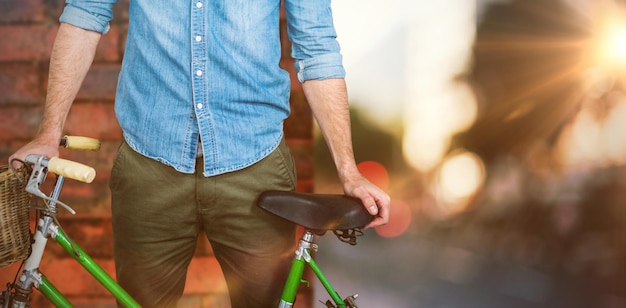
x: 320, y: 212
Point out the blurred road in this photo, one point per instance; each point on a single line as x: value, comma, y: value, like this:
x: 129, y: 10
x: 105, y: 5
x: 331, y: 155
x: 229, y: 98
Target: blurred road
x: 421, y: 272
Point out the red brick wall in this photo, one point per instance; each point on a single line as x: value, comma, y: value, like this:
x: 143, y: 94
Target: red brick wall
x: 27, y: 30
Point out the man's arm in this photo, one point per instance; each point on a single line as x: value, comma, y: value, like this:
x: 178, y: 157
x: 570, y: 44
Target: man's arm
x: 72, y: 54
x: 329, y: 103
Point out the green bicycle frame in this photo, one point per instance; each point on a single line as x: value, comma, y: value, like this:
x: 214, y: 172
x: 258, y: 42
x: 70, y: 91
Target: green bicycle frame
x: 329, y: 288
x: 93, y: 268
x: 303, y: 257
x: 293, y: 281
x: 52, y: 293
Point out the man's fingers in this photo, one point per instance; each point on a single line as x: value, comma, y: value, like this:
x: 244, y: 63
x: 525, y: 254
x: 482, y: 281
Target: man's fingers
x: 370, y: 205
x: 378, y: 221
x: 14, y: 162
x: 378, y: 208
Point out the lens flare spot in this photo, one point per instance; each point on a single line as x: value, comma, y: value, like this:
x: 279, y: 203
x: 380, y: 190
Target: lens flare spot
x: 423, y: 148
x: 399, y: 220
x: 458, y: 179
x: 461, y: 175
x: 375, y: 173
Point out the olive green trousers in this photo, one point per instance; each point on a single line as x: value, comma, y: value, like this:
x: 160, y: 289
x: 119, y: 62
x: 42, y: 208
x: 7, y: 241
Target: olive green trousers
x: 158, y: 213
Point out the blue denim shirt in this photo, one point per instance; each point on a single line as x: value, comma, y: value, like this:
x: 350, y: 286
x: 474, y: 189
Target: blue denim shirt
x: 208, y: 70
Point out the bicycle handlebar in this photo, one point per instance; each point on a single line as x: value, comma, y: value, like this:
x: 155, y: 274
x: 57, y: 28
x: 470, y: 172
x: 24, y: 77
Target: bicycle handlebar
x: 41, y: 165
x: 71, y: 169
x: 64, y: 167
x: 80, y: 143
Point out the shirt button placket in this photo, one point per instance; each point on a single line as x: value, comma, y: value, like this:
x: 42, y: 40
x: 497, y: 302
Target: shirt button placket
x: 198, y: 67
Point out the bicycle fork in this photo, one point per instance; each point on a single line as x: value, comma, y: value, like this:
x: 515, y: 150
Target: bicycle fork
x: 302, y: 258
x: 31, y: 276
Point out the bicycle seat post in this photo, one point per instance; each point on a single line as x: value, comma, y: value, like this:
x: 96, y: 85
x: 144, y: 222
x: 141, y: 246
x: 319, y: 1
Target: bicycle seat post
x: 307, y: 241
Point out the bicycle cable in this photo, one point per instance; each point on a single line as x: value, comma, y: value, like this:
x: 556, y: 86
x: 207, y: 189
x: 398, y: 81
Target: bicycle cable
x: 53, y: 215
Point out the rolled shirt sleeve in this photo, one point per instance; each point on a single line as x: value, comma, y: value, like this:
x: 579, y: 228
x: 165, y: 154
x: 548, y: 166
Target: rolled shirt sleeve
x: 88, y: 15
x: 314, y: 45
x: 320, y: 67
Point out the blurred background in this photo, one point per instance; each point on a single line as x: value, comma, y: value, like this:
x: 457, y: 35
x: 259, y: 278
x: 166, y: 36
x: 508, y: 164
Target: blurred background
x: 499, y: 130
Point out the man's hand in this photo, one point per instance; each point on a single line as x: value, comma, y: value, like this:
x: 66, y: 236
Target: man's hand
x: 373, y: 198
x: 42, y: 146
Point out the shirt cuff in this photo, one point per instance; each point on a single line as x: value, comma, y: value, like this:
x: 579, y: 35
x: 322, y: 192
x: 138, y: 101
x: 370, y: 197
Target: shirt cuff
x: 83, y: 19
x: 320, y: 67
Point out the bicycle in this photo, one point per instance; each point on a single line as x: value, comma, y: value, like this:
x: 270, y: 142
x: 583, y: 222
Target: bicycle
x: 28, y: 180
x: 317, y: 213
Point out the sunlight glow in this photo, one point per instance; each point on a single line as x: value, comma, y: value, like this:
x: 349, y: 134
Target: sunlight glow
x: 609, y: 28
x: 613, y: 48
x: 617, y: 44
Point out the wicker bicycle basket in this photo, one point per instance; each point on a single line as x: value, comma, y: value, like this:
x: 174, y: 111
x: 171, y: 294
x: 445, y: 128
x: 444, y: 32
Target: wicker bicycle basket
x: 14, y: 217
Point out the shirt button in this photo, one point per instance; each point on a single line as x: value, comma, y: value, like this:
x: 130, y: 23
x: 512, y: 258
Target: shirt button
x: 198, y: 4
x: 198, y: 38
x: 199, y: 106
x: 198, y: 73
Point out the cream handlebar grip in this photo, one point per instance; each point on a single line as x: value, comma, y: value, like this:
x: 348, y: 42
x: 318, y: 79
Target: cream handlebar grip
x: 71, y: 169
x: 81, y: 143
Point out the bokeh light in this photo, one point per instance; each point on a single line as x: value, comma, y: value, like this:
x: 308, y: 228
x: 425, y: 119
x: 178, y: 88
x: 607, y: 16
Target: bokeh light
x: 461, y: 175
x: 376, y: 173
x: 424, y: 145
x: 399, y: 220
x: 458, y: 178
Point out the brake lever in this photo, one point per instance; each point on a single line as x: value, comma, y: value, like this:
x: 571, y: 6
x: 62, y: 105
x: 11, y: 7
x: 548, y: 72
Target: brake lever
x: 38, y: 176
